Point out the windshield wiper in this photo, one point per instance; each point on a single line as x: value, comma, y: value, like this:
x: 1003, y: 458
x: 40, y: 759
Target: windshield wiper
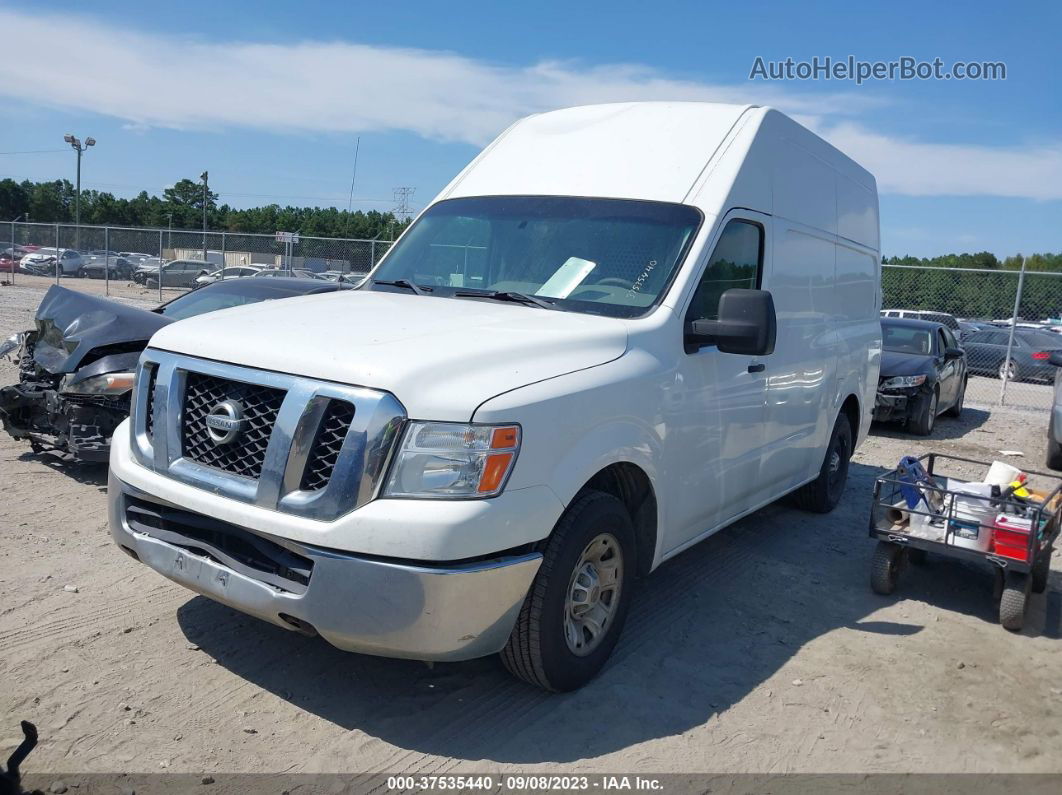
x: 507, y: 295
x: 404, y: 283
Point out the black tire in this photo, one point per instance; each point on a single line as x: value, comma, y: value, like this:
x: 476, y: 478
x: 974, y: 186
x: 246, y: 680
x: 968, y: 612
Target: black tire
x: 956, y: 410
x: 1015, y: 373
x: 924, y: 417
x: 82, y: 273
x: 1041, y: 571
x: 538, y: 650
x: 1054, y: 449
x: 823, y: 493
x: 1013, y: 601
x: 886, y: 566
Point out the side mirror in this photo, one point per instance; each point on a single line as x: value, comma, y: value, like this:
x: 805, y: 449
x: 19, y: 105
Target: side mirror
x: 747, y: 324
x: 953, y: 353
x: 1055, y: 358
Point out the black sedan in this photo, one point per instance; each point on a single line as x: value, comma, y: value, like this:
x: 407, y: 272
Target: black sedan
x: 923, y: 373
x: 76, y: 367
x: 1030, y: 353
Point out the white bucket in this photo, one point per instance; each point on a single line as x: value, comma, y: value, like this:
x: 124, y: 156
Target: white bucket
x: 1001, y: 474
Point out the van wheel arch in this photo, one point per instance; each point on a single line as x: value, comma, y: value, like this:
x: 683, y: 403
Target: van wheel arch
x: 630, y: 484
x: 850, y: 409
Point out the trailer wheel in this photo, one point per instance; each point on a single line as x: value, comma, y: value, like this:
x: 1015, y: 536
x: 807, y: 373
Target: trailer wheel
x: 1012, y: 603
x: 885, y: 567
x: 574, y: 612
x: 1041, y: 570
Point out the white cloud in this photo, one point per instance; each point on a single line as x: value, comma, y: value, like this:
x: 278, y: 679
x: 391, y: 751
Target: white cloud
x: 155, y: 80
x: 922, y: 169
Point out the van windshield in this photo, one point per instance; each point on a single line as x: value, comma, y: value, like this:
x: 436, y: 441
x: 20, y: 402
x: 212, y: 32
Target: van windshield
x: 611, y: 257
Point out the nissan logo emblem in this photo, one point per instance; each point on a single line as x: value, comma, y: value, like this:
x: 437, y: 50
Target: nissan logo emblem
x: 224, y: 422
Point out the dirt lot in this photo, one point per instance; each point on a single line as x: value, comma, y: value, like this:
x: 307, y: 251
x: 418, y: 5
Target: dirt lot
x: 761, y: 650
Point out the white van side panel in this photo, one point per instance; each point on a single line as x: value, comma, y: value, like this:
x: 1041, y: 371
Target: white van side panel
x: 802, y: 371
x: 857, y: 213
x: 858, y: 304
x: 805, y: 187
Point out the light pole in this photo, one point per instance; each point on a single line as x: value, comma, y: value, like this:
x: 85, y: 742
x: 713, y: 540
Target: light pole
x: 206, y: 194
x: 80, y: 148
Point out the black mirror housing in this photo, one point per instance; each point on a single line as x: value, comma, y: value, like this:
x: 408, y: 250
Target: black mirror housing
x: 747, y: 324
x: 953, y: 353
x: 1055, y: 358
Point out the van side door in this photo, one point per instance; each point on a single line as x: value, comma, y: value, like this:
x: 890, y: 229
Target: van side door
x: 715, y: 409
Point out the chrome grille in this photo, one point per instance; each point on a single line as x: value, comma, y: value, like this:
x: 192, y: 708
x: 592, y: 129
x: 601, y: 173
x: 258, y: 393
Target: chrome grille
x: 313, y: 448
x: 246, y: 455
x: 150, y: 371
x: 326, y: 446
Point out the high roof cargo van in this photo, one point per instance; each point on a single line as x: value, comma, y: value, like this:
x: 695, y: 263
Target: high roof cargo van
x: 618, y: 330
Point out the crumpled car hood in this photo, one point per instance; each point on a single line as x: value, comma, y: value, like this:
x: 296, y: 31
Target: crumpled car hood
x: 71, y: 324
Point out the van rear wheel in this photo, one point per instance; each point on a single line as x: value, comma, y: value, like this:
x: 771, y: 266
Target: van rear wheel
x: 823, y: 493
x: 574, y: 612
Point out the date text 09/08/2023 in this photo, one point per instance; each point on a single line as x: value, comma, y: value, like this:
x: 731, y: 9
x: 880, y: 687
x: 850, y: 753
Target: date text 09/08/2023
x: 524, y: 783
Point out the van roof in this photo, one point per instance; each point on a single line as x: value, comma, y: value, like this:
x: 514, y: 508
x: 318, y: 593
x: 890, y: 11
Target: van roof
x: 635, y: 150
x: 708, y: 155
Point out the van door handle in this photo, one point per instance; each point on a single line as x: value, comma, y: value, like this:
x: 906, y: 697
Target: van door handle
x: 759, y: 367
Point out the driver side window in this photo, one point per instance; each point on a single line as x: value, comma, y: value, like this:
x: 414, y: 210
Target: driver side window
x: 736, y: 261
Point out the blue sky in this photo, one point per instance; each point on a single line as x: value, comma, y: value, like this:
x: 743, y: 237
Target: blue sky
x: 270, y: 97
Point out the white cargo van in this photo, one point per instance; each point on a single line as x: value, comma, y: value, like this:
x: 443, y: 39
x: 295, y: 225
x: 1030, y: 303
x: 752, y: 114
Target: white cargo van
x: 619, y: 329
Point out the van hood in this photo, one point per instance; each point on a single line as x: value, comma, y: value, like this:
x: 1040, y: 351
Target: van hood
x: 441, y: 357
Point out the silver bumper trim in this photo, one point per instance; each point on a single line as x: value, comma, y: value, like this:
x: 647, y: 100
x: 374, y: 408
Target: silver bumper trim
x: 386, y: 608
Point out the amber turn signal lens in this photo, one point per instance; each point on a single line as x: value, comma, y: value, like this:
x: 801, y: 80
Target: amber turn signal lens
x: 504, y: 438
x: 494, y: 471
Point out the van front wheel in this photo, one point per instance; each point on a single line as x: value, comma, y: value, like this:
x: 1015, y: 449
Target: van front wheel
x: 574, y: 612
x: 823, y: 493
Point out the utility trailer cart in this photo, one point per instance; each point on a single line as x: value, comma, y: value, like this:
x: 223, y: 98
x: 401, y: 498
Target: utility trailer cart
x: 942, y: 523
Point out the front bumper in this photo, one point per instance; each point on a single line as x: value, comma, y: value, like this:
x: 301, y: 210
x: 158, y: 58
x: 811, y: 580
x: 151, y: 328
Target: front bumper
x: 390, y: 608
x: 81, y: 428
x: 892, y: 406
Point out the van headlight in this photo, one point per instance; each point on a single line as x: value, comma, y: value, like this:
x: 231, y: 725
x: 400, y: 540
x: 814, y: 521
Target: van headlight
x: 111, y: 384
x: 446, y: 460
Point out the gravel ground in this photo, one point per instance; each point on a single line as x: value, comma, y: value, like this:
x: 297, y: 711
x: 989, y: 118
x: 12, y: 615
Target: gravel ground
x: 760, y: 650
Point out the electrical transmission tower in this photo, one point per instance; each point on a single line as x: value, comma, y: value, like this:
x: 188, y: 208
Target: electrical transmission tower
x: 402, y: 210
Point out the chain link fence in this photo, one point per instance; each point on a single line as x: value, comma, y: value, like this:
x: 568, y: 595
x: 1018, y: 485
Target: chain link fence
x: 162, y: 263
x: 1007, y: 321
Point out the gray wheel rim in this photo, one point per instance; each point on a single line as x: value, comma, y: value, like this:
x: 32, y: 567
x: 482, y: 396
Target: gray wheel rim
x: 593, y: 594
x: 1007, y: 370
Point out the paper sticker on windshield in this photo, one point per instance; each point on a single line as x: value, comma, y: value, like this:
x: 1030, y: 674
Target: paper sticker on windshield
x: 568, y: 276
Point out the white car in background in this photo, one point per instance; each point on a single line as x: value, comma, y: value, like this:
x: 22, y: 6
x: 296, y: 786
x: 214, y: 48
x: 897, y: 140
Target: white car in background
x: 234, y: 272
x: 42, y: 262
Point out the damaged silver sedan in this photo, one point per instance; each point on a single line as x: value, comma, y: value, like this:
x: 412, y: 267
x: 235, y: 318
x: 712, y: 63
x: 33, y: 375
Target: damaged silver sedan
x: 76, y: 366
